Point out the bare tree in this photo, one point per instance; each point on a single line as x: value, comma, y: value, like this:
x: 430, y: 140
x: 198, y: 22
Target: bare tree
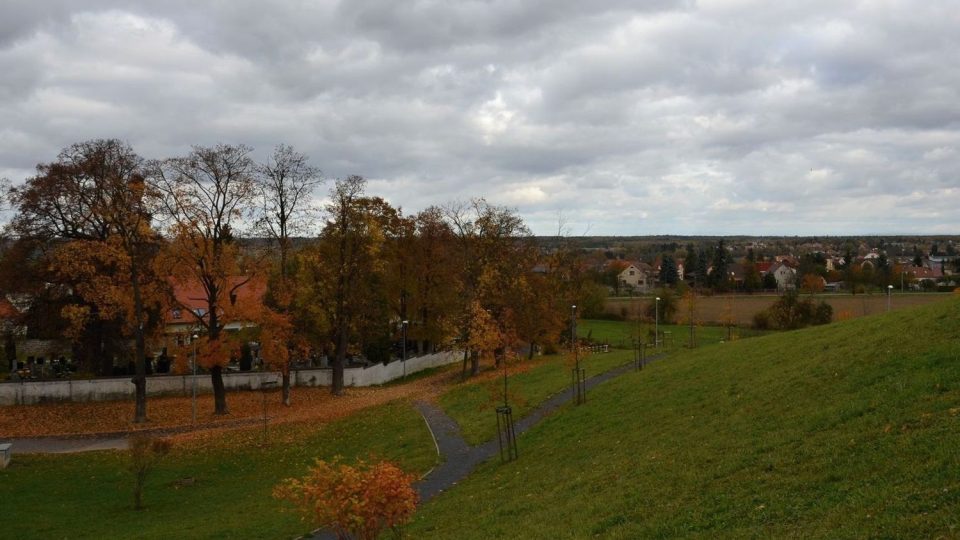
x: 285, y: 186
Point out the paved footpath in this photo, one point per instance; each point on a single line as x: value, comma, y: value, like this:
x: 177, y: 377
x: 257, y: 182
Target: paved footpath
x: 49, y: 445
x: 117, y: 440
x: 459, y: 458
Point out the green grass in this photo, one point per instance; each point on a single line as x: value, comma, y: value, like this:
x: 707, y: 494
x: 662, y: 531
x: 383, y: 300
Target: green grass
x: 622, y: 333
x: 89, y: 495
x: 473, y: 404
x: 843, y: 431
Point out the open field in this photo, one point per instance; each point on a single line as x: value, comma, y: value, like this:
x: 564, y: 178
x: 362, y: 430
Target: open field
x: 743, y: 307
x: 208, y: 487
x: 841, y: 431
x: 622, y: 333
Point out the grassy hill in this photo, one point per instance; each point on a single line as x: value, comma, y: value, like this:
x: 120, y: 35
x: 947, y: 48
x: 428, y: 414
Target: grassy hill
x: 846, y: 430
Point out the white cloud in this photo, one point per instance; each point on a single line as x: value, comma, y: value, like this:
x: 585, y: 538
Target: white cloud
x: 720, y: 116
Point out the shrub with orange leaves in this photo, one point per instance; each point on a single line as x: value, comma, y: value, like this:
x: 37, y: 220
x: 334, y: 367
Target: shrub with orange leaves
x: 359, y: 501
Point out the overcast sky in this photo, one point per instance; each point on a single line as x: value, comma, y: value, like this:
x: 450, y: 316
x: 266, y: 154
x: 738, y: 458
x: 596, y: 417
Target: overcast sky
x: 683, y: 117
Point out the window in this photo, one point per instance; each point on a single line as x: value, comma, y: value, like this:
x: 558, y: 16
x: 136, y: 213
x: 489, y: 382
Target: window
x: 176, y: 314
x: 631, y: 272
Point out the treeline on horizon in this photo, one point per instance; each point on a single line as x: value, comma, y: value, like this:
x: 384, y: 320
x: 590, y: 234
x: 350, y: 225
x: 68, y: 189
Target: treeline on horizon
x: 101, y: 237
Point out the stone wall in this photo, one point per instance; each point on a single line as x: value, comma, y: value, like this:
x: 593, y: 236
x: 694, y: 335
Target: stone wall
x: 32, y: 392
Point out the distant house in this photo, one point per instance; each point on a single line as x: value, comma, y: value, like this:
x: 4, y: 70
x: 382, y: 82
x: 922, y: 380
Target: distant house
x: 785, y: 275
x: 636, y: 276
x: 181, y: 320
x: 738, y: 273
x: 10, y: 318
x: 929, y: 275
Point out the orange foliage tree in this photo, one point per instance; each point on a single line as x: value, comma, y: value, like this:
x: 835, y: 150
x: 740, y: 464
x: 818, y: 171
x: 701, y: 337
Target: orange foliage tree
x: 205, y: 195
x: 494, y: 252
x: 96, y: 197
x: 353, y: 501
x: 276, y: 337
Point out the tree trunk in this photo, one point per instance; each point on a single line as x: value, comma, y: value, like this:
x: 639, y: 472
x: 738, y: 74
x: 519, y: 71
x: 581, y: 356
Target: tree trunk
x: 10, y: 351
x: 286, y: 386
x: 475, y: 363
x: 339, y: 360
x: 140, y: 361
x: 219, y: 392
x: 530, y: 353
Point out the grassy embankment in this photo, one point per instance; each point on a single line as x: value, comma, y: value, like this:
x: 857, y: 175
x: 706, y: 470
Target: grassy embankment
x: 472, y: 404
x: 842, y: 431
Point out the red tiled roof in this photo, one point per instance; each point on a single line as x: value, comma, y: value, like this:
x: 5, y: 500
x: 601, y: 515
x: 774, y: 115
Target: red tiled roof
x: 7, y: 311
x: 191, y: 295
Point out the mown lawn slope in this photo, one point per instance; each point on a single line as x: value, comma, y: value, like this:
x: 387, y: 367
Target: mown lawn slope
x: 847, y: 430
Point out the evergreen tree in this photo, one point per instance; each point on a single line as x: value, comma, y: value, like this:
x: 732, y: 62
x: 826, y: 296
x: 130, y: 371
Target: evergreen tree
x: 668, y: 271
x: 691, y: 262
x: 718, y: 276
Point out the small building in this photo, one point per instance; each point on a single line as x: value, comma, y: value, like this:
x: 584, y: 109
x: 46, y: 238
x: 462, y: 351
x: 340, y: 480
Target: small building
x: 785, y: 275
x: 636, y: 276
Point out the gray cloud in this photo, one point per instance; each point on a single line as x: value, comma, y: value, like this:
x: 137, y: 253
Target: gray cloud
x: 717, y: 116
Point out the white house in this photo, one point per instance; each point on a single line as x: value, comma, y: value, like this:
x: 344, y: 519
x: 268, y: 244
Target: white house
x: 786, y: 276
x: 636, y: 276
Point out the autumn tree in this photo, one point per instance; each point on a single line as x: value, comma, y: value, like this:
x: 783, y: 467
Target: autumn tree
x: 494, y: 251
x: 276, y: 343
x: 205, y: 196
x: 96, y: 202
x: 812, y: 283
x: 436, y: 287
x: 341, y: 274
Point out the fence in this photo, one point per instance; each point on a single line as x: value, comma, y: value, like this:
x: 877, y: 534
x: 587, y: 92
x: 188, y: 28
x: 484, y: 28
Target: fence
x: 32, y: 392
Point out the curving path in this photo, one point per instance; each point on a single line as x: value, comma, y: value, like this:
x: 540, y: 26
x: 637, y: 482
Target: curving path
x: 459, y: 458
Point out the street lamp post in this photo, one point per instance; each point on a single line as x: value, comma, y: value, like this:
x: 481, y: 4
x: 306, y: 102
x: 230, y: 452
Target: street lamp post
x: 656, y: 328
x: 573, y: 335
x: 193, y: 404
x: 404, y: 359
x: 889, y: 294
x: 578, y: 374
